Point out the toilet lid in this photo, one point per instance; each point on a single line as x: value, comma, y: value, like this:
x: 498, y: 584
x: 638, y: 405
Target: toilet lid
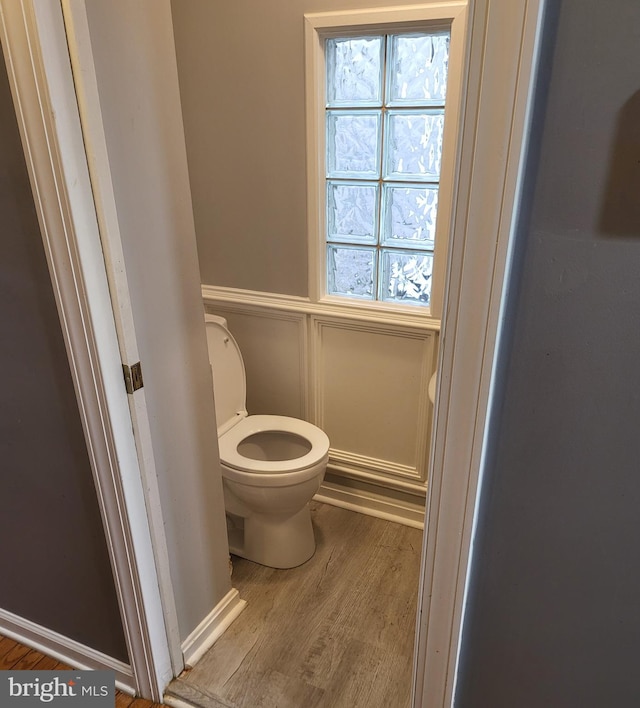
x: 253, y: 424
x: 227, y: 367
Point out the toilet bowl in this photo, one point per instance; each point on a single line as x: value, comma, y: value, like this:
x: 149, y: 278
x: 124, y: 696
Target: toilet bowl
x: 271, y: 465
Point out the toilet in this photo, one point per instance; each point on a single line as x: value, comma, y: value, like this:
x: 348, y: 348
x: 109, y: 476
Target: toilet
x: 272, y: 465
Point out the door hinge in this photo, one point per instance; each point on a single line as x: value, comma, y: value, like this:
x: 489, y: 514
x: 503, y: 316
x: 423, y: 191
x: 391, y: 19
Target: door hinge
x: 132, y: 377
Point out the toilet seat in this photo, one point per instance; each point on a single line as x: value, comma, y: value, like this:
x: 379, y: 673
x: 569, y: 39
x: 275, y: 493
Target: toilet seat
x: 252, y: 424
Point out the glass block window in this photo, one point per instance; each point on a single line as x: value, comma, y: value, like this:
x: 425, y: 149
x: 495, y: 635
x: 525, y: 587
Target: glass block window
x: 385, y: 99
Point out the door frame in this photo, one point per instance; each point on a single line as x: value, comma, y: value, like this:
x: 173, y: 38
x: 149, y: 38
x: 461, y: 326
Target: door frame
x: 34, y: 41
x: 501, y: 55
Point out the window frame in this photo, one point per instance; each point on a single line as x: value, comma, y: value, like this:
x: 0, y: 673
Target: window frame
x: 436, y: 16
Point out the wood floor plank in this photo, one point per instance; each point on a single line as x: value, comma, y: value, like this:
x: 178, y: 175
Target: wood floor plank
x: 62, y: 667
x: 47, y: 663
x: 28, y: 661
x: 194, y: 695
x: 122, y: 700
x: 337, y: 631
x: 17, y: 652
x: 6, y: 645
x: 268, y: 688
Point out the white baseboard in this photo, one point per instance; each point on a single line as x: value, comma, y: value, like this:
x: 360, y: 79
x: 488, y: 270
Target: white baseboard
x: 65, y: 650
x: 212, y: 627
x: 355, y: 496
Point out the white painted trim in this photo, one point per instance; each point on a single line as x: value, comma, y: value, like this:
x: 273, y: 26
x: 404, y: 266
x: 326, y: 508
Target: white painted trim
x: 88, y: 102
x: 356, y: 463
x: 518, y: 146
x: 35, y: 45
x: 216, y: 293
x: 318, y: 27
x: 373, y: 325
x: 383, y: 17
x: 502, y: 61
x: 63, y: 649
x: 358, y: 499
x: 212, y: 627
x: 415, y: 318
x: 416, y: 488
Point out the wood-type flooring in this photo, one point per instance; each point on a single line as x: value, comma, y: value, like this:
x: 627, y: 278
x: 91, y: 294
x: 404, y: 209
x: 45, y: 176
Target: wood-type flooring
x: 18, y: 657
x: 336, y: 632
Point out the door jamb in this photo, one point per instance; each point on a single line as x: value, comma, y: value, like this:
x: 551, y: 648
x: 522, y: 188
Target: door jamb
x: 502, y: 60
x: 35, y: 46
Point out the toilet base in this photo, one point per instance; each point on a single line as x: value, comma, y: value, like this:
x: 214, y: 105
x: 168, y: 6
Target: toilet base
x: 274, y: 540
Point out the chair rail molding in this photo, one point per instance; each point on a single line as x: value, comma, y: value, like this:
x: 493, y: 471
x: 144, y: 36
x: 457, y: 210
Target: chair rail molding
x: 412, y: 317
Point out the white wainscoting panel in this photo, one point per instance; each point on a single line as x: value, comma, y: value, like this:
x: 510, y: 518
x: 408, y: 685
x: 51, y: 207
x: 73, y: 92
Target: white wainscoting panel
x: 274, y: 348
x: 370, y: 393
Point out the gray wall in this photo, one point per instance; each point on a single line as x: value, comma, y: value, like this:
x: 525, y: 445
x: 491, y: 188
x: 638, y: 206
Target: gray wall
x: 553, y: 616
x: 55, y: 570
x: 241, y: 69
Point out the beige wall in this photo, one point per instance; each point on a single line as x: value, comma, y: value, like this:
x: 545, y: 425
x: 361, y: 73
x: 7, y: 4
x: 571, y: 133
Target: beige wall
x: 241, y: 69
x: 136, y: 74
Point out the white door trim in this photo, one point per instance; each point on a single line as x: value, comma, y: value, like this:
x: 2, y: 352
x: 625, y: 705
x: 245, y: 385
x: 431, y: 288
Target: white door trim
x: 502, y: 58
x: 95, y: 145
x: 35, y: 47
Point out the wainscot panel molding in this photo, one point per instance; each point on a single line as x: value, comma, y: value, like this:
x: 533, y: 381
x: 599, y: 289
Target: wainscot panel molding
x: 373, y: 499
x: 360, y: 375
x: 380, y: 472
x: 64, y: 649
x: 370, y: 393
